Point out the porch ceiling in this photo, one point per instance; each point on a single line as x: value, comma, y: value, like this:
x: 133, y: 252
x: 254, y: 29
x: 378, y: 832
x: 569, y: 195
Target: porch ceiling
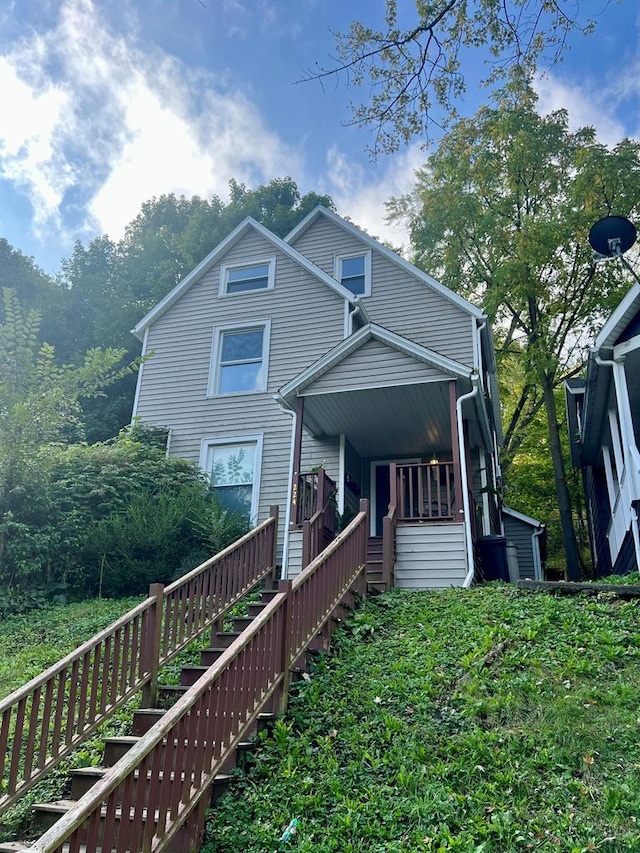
x: 395, y: 421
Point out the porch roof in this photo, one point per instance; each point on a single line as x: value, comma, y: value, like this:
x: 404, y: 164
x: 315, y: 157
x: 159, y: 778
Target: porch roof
x: 388, y: 395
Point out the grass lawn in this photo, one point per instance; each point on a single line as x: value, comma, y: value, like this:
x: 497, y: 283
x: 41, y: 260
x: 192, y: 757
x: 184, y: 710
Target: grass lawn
x: 33, y: 641
x: 488, y: 720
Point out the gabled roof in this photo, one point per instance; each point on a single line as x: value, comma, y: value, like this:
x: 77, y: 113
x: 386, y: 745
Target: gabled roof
x: 320, y: 210
x: 525, y: 519
x: 619, y: 320
x: 217, y: 253
x: 345, y: 348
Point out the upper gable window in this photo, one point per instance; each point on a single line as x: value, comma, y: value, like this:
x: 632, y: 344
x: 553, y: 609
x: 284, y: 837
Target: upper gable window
x: 353, y: 271
x: 244, y: 278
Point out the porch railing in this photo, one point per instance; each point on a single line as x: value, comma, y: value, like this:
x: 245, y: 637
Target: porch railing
x: 315, y: 512
x: 141, y: 803
x: 48, y: 717
x: 425, y: 491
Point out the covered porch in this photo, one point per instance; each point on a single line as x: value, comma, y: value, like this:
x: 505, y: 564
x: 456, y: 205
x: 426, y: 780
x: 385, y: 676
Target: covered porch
x: 413, y: 443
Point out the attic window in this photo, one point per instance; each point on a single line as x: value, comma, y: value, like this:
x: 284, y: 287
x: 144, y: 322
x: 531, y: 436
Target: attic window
x: 244, y: 278
x: 353, y: 271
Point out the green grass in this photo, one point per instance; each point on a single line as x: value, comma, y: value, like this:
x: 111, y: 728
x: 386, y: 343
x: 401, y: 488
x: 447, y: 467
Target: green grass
x: 407, y: 738
x: 33, y: 641
x: 632, y: 578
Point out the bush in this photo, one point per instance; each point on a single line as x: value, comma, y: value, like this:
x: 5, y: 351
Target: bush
x: 106, y: 519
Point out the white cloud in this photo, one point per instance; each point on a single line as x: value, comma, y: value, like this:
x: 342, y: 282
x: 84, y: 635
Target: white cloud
x: 360, y: 192
x: 97, y: 126
x: 590, y: 104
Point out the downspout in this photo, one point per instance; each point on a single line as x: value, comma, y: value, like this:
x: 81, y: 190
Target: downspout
x: 537, y: 560
x: 463, y: 476
x: 350, y: 315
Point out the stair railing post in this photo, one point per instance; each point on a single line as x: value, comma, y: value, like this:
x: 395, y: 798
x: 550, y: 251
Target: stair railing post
x: 363, y: 534
x: 274, y: 512
x: 306, y: 543
x: 285, y: 646
x: 150, y: 657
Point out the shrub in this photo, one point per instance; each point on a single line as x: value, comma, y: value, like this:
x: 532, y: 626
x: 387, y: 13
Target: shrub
x: 107, y: 519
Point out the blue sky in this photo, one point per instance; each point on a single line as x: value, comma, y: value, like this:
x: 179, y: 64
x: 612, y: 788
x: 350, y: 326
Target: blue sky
x: 106, y: 103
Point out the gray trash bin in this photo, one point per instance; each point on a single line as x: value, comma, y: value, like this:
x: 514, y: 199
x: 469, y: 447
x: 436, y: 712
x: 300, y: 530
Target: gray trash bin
x: 512, y: 562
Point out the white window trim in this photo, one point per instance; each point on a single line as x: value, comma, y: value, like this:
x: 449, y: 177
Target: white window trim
x: 226, y: 268
x: 256, y: 439
x: 214, y: 365
x: 337, y: 269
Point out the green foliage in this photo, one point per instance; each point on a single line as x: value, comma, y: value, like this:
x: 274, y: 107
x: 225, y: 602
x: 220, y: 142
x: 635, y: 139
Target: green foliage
x: 31, y: 643
x: 501, y: 214
x: 411, y: 66
x: 107, y: 519
x: 485, y: 720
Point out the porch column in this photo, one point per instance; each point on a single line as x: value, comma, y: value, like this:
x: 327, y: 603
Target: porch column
x: 297, y: 462
x: 455, y: 449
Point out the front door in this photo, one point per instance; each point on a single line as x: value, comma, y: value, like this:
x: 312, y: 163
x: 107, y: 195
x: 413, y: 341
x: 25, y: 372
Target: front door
x: 381, y: 491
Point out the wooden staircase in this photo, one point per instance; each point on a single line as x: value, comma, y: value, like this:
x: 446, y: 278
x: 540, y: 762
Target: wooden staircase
x: 82, y: 779
x: 375, y: 578
x: 154, y: 786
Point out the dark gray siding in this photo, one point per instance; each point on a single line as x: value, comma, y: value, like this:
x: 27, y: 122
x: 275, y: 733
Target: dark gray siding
x: 519, y: 533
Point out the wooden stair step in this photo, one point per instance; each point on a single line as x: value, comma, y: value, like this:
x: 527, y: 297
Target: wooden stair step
x: 190, y: 674
x: 268, y: 595
x: 242, y: 622
x: 210, y: 656
x: 226, y: 638
x: 255, y: 608
x: 116, y: 747
x: 145, y: 718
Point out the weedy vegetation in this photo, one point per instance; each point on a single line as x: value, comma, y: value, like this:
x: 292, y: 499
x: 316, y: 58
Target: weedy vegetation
x: 484, y: 721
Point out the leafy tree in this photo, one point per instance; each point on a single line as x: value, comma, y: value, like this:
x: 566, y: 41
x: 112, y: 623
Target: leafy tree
x: 412, y: 72
x: 501, y: 214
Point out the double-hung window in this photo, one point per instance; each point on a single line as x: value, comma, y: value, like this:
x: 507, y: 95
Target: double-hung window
x: 239, y: 359
x: 233, y: 467
x: 244, y: 278
x: 353, y: 271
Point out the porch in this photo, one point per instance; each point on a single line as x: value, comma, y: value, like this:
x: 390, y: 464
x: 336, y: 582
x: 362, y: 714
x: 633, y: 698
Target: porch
x: 383, y: 419
x: 420, y: 538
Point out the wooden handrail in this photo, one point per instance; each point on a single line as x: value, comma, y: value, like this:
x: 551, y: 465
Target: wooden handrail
x: 168, y: 773
x: 47, y: 718
x: 389, y: 546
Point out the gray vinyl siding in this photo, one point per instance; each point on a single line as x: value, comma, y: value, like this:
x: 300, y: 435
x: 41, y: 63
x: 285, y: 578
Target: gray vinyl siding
x: 375, y: 365
x: 399, y: 301
x: 294, y: 559
x: 519, y: 534
x: 307, y: 319
x: 430, y: 556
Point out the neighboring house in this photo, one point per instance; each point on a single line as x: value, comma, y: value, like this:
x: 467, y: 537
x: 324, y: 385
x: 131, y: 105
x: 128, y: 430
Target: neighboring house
x: 313, y: 371
x: 529, y: 536
x: 603, y: 415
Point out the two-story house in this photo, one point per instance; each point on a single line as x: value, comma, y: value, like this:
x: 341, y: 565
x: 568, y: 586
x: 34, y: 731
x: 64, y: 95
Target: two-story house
x: 312, y: 371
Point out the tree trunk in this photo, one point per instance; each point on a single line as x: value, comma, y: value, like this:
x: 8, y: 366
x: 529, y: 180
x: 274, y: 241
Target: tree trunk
x: 562, y: 490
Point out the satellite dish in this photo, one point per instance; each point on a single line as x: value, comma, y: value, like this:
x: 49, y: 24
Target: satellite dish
x: 612, y: 236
